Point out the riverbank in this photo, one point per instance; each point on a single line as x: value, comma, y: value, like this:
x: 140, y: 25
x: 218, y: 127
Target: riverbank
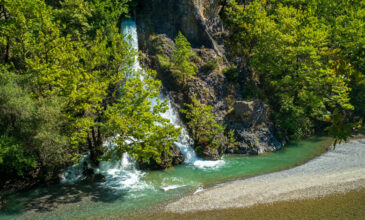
x: 339, y: 170
x: 348, y: 205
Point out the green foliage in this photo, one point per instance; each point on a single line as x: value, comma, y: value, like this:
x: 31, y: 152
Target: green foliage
x: 304, y: 57
x: 164, y: 61
x: 210, y: 66
x: 204, y: 128
x: 142, y: 131
x: 13, y: 157
x: 106, y: 14
x: 231, y: 73
x: 73, y: 16
x: 35, y: 124
x: 182, y: 67
x: 67, y: 85
x: 340, y: 129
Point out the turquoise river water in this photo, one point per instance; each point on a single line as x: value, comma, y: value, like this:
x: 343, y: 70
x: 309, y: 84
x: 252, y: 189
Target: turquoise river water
x: 76, y: 200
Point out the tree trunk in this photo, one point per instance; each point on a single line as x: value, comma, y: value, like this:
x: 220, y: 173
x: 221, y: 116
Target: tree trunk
x: 95, y: 144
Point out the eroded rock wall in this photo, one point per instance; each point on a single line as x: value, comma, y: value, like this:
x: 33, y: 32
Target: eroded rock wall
x: 198, y: 20
x: 158, y: 23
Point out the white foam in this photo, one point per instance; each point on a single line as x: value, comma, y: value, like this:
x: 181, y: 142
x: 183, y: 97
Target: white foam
x: 199, y: 190
x: 123, y: 174
x: 167, y: 188
x: 73, y: 173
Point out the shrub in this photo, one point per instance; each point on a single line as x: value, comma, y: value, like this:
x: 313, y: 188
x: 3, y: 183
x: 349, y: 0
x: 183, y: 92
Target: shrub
x: 231, y: 73
x: 13, y: 157
x: 210, y: 66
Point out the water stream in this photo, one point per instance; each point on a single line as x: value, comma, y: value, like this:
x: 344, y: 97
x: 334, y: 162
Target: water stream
x: 123, y: 174
x: 78, y: 200
x: 127, y: 188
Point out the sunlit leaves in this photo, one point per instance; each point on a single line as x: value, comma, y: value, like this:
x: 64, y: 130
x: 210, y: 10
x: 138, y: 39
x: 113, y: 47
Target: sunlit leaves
x: 182, y: 67
x: 304, y: 55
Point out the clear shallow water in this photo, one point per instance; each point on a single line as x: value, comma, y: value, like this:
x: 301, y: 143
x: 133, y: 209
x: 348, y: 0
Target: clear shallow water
x: 85, y: 200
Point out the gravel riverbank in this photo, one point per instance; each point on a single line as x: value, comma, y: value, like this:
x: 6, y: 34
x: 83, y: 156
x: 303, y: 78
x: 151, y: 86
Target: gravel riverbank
x: 341, y: 169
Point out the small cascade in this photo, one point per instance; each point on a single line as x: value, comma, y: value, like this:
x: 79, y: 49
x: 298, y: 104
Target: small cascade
x: 129, y: 29
x: 122, y: 174
x: 74, y: 173
x: 185, y: 142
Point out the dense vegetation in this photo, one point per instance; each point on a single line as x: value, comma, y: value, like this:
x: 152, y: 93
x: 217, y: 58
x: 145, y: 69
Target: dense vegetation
x: 67, y: 86
x: 307, y: 58
x: 207, y: 133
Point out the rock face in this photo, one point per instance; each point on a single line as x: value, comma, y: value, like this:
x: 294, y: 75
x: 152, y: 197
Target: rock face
x: 253, y: 131
x: 167, y: 161
x: 158, y: 23
x: 198, y: 20
x: 250, y: 113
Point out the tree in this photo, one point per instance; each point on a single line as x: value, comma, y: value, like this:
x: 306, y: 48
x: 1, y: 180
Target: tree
x: 106, y: 14
x: 285, y: 43
x: 64, y: 90
x: 142, y: 131
x: 31, y: 129
x: 182, y: 67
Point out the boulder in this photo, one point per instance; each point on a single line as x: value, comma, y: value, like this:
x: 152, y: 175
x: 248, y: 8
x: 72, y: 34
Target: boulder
x: 253, y: 130
x: 90, y: 176
x: 254, y: 141
x: 250, y: 113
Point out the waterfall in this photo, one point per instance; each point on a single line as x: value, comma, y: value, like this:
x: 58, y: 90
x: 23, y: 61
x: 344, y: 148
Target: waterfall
x: 123, y: 174
x: 129, y: 30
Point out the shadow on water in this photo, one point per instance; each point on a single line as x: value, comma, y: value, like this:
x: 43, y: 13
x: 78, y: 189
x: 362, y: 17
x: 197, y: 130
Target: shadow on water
x: 48, y: 199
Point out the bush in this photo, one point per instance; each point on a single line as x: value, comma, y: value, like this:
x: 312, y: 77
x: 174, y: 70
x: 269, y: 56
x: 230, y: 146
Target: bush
x: 210, y: 66
x: 13, y: 157
x: 250, y: 91
x: 231, y: 73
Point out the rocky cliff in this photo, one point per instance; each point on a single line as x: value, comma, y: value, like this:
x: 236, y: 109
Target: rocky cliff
x: 198, y: 20
x: 158, y: 23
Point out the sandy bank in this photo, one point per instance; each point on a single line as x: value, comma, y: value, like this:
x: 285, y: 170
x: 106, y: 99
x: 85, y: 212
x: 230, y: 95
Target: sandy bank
x: 339, y: 170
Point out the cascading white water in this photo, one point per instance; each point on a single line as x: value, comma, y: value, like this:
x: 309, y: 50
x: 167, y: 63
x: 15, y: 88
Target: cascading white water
x: 74, y: 173
x: 185, y: 142
x: 129, y: 30
x: 122, y: 174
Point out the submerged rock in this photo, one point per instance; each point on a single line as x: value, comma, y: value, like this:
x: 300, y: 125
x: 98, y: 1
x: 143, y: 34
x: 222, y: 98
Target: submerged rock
x: 91, y: 177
